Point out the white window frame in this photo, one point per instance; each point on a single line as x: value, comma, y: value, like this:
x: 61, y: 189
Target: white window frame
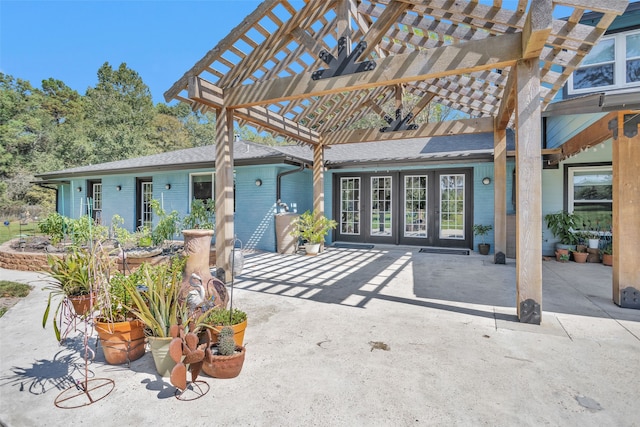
x: 619, y: 68
x: 570, y: 189
x: 213, y: 184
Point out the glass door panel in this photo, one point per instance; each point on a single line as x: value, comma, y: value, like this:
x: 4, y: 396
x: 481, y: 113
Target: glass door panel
x: 415, y: 206
x: 381, y: 206
x: 350, y: 206
x: 146, y: 197
x: 452, y: 207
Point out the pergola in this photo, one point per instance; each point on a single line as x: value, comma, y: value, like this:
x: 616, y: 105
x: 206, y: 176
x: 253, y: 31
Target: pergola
x: 308, y: 70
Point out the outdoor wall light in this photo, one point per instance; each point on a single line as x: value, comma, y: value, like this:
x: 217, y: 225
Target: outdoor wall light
x: 79, y: 189
x: 258, y: 182
x: 118, y: 187
x: 486, y: 180
x: 168, y: 186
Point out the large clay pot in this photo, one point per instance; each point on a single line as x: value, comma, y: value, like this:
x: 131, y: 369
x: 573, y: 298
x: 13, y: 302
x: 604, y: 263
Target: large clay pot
x: 160, y: 352
x: 607, y: 259
x: 224, y: 366
x: 197, y: 246
x: 122, y: 342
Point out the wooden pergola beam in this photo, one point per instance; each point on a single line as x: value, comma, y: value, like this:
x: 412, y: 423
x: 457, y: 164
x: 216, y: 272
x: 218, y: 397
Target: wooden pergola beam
x: 508, y: 103
x: 593, y: 135
x: 454, y: 127
x: 207, y: 93
x: 468, y: 57
x: 537, y: 28
x: 380, y: 27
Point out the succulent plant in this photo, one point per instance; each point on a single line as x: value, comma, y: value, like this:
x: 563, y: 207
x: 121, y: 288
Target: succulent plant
x: 226, y: 344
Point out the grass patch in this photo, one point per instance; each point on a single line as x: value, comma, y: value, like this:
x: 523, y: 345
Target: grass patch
x: 13, y: 230
x: 13, y: 289
x: 3, y: 310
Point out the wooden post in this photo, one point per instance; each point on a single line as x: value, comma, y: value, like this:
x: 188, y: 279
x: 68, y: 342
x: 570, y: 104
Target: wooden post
x: 529, y: 192
x: 318, y: 178
x: 626, y: 209
x: 500, y: 194
x: 224, y: 190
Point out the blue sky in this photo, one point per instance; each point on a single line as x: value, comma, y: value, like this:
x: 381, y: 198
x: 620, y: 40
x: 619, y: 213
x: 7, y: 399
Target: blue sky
x: 69, y: 40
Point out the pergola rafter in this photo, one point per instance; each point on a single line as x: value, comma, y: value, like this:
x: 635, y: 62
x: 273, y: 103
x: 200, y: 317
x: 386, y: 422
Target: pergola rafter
x: 494, y: 65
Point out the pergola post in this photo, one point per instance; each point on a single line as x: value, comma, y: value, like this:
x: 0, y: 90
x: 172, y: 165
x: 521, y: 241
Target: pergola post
x: 626, y: 210
x: 528, y: 192
x: 500, y: 194
x: 224, y: 190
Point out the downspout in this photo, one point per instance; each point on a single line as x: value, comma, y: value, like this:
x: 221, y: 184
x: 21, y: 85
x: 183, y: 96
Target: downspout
x: 279, y: 202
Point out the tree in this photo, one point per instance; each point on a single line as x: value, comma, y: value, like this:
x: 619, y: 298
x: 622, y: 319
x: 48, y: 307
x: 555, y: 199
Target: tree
x: 120, y: 111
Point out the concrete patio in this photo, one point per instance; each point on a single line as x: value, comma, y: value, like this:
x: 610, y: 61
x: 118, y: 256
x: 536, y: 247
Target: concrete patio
x: 387, y: 336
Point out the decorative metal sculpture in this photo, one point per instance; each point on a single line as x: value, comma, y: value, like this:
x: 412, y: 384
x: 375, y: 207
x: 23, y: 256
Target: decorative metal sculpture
x: 345, y: 63
x: 399, y: 123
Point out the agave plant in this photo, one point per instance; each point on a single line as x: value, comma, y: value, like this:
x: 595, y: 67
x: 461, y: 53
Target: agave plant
x: 155, y: 300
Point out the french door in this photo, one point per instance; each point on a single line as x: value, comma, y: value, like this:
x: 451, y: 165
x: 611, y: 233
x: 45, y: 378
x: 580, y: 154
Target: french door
x: 144, y: 189
x: 429, y: 208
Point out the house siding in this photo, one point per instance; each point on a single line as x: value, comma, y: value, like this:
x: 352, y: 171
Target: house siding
x: 562, y: 128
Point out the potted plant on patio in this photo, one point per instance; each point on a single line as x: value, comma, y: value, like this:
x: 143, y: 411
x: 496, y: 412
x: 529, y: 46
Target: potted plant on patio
x: 155, y: 301
x: 312, y: 227
x: 562, y: 225
x: 481, y: 231
x: 225, y: 358
x: 580, y: 255
x: 121, y: 335
x: 220, y: 317
x: 72, y: 284
x: 607, y: 255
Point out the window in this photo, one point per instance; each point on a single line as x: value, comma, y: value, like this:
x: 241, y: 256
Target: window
x: 614, y: 63
x: 201, y: 187
x: 590, y: 195
x: 350, y: 206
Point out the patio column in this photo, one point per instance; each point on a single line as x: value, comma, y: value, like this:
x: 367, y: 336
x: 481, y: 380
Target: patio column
x: 224, y: 190
x: 500, y: 194
x: 318, y: 178
x: 626, y: 209
x: 528, y: 192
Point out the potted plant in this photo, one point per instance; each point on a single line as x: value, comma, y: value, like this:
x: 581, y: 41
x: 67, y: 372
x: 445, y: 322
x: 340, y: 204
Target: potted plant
x: 312, y: 227
x: 580, y: 255
x: 481, y: 231
x: 220, y: 317
x: 200, y: 216
x: 71, y: 283
x: 607, y: 255
x: 121, y: 335
x: 225, y: 358
x: 155, y: 301
x: 562, y: 225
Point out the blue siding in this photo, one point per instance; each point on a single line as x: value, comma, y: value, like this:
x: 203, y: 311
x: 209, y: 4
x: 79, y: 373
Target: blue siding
x: 256, y: 207
x: 561, y: 128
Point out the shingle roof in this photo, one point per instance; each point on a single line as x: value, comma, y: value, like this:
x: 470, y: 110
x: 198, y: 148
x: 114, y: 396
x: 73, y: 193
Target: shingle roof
x: 245, y: 152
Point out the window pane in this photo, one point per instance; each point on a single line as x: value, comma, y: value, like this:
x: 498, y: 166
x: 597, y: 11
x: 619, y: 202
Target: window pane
x: 594, y: 216
x: 602, y: 75
x: 633, y: 46
x: 381, y: 200
x: 605, y: 51
x: 592, y: 186
x: 633, y: 71
x: 202, y: 187
x: 452, y: 207
x: 350, y: 202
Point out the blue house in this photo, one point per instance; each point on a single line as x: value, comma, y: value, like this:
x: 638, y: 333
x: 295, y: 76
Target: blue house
x: 547, y: 121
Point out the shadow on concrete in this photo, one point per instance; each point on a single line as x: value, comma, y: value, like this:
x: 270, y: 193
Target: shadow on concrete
x: 355, y: 277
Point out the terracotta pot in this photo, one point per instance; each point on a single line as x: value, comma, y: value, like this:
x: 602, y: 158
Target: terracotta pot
x: 607, y: 259
x: 580, y: 257
x: 238, y: 333
x: 160, y: 352
x: 224, y: 366
x: 81, y: 304
x: 122, y: 342
x: 560, y: 252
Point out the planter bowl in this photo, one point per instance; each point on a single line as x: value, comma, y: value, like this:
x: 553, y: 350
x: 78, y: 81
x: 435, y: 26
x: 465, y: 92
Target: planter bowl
x: 224, y: 366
